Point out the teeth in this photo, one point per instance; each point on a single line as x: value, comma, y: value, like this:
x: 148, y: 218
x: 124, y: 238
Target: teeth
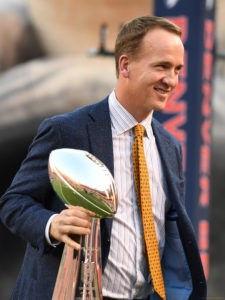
x: 160, y: 91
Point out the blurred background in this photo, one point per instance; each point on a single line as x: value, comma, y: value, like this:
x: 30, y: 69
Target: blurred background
x: 56, y: 56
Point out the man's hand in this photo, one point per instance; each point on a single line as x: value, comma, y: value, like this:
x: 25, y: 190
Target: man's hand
x: 72, y: 221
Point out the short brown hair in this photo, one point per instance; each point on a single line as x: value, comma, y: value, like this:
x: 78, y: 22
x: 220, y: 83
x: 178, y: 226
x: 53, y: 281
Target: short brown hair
x: 132, y: 32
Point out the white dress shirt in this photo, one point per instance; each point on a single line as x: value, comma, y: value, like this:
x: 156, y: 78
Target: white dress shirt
x: 126, y: 274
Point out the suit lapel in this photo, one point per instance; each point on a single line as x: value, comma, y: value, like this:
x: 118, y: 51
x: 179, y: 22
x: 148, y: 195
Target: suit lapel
x: 169, y: 158
x: 100, y: 137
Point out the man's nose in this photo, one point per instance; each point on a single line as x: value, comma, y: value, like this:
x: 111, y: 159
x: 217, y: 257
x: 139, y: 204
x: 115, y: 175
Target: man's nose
x: 170, y: 79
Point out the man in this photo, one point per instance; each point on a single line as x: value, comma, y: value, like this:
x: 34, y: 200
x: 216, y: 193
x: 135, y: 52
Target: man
x: 149, y: 55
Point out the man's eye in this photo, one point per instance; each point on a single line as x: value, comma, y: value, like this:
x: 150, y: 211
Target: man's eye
x: 161, y: 66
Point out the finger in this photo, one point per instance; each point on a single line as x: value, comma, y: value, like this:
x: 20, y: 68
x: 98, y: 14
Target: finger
x: 73, y: 217
x: 71, y: 243
x: 80, y: 208
x: 75, y: 211
x: 75, y: 221
x: 68, y: 230
x: 60, y: 233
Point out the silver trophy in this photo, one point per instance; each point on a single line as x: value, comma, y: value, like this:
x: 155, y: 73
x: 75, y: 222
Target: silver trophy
x: 80, y: 179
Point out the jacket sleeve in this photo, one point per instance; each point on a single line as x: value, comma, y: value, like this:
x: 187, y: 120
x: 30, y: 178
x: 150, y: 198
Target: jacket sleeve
x: 28, y: 203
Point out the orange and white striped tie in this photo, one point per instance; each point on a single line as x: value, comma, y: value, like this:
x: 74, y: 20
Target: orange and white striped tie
x: 143, y: 194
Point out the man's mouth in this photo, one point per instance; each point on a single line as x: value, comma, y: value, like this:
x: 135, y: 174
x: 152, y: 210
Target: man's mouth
x: 162, y: 91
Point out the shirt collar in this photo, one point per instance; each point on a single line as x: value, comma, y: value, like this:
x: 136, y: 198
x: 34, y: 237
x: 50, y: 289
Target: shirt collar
x: 122, y: 120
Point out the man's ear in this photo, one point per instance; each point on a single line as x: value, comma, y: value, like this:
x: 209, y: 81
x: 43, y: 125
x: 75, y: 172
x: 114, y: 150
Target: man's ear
x: 124, y: 65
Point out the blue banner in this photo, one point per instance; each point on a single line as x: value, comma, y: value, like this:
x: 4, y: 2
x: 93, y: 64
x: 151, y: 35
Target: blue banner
x: 188, y: 112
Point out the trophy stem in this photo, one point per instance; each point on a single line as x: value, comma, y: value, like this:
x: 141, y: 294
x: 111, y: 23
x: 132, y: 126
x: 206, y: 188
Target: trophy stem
x: 89, y: 285
x: 67, y: 274
x: 79, y: 275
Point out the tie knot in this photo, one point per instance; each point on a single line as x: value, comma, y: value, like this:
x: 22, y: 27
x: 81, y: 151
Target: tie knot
x: 139, y: 130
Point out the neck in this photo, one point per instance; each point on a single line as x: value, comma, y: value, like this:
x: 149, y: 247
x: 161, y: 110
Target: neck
x: 130, y: 104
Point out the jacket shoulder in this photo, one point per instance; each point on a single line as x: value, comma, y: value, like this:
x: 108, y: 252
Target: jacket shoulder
x: 71, y: 128
x: 79, y: 114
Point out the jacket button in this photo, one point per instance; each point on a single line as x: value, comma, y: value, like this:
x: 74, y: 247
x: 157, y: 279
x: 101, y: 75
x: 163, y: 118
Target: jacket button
x: 201, y: 283
x: 35, y: 247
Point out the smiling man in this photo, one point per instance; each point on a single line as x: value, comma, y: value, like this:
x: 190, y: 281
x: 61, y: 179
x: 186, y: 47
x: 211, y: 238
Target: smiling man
x: 148, y: 77
x: 149, y: 249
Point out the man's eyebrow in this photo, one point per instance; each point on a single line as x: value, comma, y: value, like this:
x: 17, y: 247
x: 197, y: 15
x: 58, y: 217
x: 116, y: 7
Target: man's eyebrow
x: 169, y: 64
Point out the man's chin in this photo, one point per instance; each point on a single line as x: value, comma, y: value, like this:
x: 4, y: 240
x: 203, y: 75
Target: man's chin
x: 160, y: 105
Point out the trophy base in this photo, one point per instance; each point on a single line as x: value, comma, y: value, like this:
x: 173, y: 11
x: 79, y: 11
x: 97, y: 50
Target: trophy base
x: 80, y: 272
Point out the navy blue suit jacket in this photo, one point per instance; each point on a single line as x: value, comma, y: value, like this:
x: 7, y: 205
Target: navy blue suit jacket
x: 30, y: 200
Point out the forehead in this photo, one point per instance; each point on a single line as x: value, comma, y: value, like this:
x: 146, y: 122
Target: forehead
x: 160, y: 42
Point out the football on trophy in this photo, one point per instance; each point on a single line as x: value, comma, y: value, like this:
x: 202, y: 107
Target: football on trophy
x: 81, y: 179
